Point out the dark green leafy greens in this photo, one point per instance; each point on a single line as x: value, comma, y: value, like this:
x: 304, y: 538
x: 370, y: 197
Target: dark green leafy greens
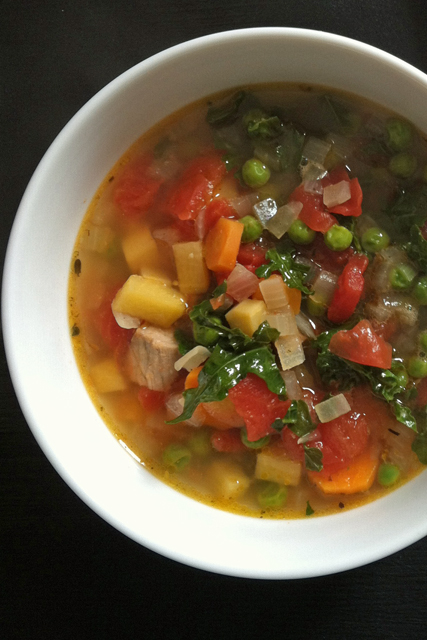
x: 184, y: 341
x: 262, y: 126
x: 227, y: 112
x: 313, y: 458
x: 419, y: 445
x: 224, y: 369
x: 416, y: 248
x: 409, y: 209
x: 299, y: 421
x: 346, y: 374
x: 282, y: 259
x: 309, y: 510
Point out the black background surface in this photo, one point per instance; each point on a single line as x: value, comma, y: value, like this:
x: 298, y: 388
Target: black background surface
x: 65, y: 573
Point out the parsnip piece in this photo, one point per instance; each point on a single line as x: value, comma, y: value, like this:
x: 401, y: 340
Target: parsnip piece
x: 274, y: 292
x: 140, y: 249
x: 149, y: 300
x: 247, y: 316
x: 106, y: 377
x: 277, y: 468
x: 284, y: 321
x: 193, y: 275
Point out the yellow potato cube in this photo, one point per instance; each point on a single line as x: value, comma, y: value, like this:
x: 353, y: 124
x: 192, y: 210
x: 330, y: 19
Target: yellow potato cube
x: 140, y: 249
x: 277, y: 468
x: 228, y: 480
x: 106, y: 376
x: 193, y: 275
x: 247, y: 316
x: 150, y: 300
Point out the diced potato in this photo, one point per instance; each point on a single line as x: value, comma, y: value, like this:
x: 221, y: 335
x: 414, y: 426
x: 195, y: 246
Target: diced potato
x: 149, y: 300
x: 277, y: 468
x: 156, y: 273
x: 140, y: 249
x: 193, y: 275
x: 106, y: 376
x: 247, y: 316
x: 228, y: 479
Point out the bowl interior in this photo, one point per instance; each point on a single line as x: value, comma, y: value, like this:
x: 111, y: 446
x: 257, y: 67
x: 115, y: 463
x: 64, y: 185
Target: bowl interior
x: 36, y: 333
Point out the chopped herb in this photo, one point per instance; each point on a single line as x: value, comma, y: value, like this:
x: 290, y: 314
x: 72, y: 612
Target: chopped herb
x: 309, y: 511
x: 409, y: 209
x: 298, y: 419
x: 77, y: 266
x: 75, y: 331
x: 341, y: 505
x: 185, y: 341
x: 416, y: 248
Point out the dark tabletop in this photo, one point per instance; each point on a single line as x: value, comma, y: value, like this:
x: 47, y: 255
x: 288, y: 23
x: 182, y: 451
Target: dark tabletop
x: 64, y: 572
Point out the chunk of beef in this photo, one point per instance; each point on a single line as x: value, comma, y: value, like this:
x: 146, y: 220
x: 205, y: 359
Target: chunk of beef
x: 151, y: 357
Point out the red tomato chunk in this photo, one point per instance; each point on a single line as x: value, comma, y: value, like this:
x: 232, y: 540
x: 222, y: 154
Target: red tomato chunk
x: 362, y: 345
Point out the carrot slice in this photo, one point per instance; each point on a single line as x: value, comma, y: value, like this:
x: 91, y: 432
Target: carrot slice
x: 191, y: 381
x: 222, y: 245
x: 357, y: 477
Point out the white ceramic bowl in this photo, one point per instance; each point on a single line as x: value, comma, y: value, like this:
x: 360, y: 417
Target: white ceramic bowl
x: 38, y: 346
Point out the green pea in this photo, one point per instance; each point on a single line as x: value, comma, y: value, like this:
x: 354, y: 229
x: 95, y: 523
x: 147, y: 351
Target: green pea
x: 417, y: 367
x: 255, y: 173
x: 420, y: 290
x: 207, y: 336
x: 200, y: 443
x: 315, y: 308
x: 338, y: 238
x: 256, y: 444
x: 402, y: 277
x: 423, y: 341
x: 375, y: 239
x: 399, y: 134
x: 252, y: 228
x: 402, y: 165
x: 388, y: 474
x: 176, y: 456
x: 271, y: 495
x: 300, y: 233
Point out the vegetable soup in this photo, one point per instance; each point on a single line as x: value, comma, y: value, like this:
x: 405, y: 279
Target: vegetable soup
x: 248, y: 301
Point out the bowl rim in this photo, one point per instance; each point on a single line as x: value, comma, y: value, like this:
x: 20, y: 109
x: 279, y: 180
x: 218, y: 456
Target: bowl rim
x: 185, y: 556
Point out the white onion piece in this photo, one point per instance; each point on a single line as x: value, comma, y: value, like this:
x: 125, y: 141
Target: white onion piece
x: 316, y: 150
x: 313, y: 186
x: 166, y: 168
x: 293, y: 389
x: 166, y: 234
x: 290, y: 351
x: 332, y: 408
x: 174, y: 407
x: 98, y: 238
x: 336, y: 194
x: 279, y: 224
x: 193, y: 358
x: 311, y: 171
x: 342, y: 146
x: 265, y: 210
x: 284, y: 321
x: 324, y: 287
x: 243, y: 204
x: 126, y: 321
x: 305, y: 326
x: 241, y: 283
x: 274, y: 292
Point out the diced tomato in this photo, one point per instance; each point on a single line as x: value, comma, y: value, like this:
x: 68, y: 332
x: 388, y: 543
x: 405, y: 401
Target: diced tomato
x: 151, y: 400
x: 333, y: 261
x: 349, y: 289
x: 251, y: 255
x: 193, y: 190
x: 136, y: 189
x: 313, y: 211
x: 291, y: 446
x: 362, y: 345
x: 336, y: 175
x: 342, y: 439
x: 257, y: 405
x: 387, y: 329
x: 216, y: 209
x: 227, y: 441
x: 106, y: 324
